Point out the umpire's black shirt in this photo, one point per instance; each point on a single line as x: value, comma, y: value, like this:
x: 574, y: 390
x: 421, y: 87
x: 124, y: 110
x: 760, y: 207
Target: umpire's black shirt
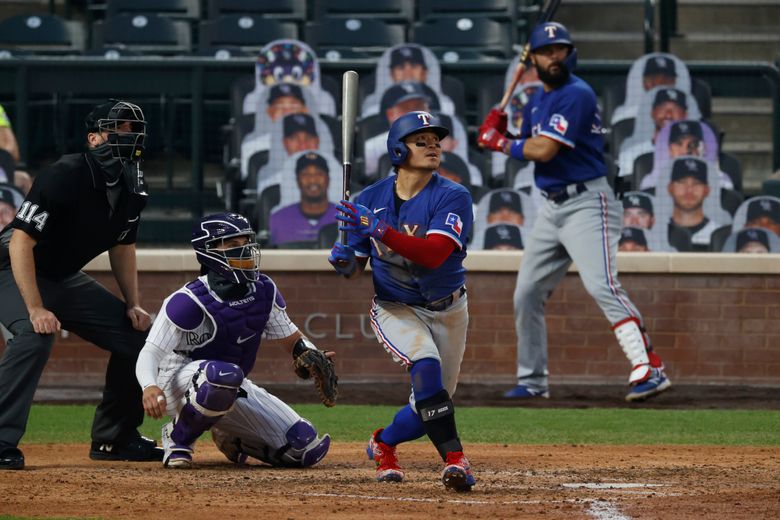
x: 68, y: 213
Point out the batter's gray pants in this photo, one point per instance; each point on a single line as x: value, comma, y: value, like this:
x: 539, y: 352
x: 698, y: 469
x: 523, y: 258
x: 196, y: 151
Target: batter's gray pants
x: 83, y: 307
x: 584, y: 229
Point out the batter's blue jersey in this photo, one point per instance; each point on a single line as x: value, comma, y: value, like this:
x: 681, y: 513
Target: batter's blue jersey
x: 570, y: 115
x: 442, y: 207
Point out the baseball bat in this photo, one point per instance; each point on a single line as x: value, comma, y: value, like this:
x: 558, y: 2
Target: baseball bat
x: 545, y: 15
x: 349, y: 95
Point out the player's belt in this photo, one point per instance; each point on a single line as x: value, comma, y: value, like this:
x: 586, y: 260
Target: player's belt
x: 566, y: 193
x: 443, y: 303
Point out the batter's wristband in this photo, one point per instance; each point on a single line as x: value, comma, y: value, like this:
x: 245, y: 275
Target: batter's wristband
x: 380, y: 230
x: 516, y: 149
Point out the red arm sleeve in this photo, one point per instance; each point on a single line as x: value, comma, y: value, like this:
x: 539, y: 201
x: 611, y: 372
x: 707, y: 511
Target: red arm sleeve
x: 429, y: 252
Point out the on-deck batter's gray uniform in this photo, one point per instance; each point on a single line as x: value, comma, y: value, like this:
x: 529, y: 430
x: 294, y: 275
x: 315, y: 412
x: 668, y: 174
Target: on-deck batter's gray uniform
x: 579, y: 222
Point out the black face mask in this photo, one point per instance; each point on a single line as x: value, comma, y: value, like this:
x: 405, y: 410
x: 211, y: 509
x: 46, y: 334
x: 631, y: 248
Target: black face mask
x: 226, y: 289
x: 111, y: 166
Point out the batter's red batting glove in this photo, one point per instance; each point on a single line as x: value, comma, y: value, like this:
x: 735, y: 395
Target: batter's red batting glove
x: 342, y: 258
x: 359, y: 219
x: 492, y: 139
x: 495, y: 119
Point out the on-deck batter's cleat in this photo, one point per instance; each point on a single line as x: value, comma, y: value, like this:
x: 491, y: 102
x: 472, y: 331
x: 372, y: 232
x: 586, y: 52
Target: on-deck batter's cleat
x: 457, y: 474
x: 523, y: 392
x: 138, y: 449
x: 387, y: 468
x: 177, y: 456
x: 656, y: 383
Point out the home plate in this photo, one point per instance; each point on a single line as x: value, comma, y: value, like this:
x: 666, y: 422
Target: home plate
x: 609, y: 485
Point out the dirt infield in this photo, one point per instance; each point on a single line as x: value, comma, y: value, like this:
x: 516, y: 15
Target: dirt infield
x: 550, y: 482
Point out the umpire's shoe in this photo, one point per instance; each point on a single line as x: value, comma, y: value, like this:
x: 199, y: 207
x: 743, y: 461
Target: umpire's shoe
x: 138, y: 449
x: 11, y: 457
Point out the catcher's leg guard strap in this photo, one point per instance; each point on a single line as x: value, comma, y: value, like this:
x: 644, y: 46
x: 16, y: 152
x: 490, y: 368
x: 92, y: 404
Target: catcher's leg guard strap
x: 438, y: 418
x: 212, y: 394
x: 632, y: 341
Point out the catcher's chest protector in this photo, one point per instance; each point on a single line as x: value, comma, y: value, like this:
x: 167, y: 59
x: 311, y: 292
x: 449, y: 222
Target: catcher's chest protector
x: 238, y: 324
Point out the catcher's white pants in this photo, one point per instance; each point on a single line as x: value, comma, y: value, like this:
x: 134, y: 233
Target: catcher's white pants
x: 260, y: 418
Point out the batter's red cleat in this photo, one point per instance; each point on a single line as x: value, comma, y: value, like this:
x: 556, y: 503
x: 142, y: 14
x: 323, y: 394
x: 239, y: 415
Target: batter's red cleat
x: 457, y: 474
x: 387, y: 468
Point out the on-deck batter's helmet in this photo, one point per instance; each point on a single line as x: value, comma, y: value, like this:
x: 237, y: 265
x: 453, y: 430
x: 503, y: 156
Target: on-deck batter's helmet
x: 238, y: 264
x: 125, y: 145
x: 549, y: 33
x: 406, y: 125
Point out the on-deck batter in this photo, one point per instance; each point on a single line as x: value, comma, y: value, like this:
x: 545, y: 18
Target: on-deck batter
x: 580, y: 221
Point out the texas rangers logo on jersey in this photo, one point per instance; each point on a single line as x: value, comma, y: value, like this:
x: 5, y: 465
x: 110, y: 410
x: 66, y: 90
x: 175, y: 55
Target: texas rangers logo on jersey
x: 454, y: 221
x: 425, y: 117
x: 559, y: 123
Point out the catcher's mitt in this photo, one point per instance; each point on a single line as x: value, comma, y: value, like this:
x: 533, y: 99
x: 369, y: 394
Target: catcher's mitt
x: 314, y: 363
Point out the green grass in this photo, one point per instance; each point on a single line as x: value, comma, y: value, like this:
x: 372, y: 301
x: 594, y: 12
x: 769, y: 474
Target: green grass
x: 71, y: 424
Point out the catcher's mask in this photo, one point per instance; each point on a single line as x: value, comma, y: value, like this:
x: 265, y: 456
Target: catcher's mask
x: 125, y: 124
x: 238, y: 264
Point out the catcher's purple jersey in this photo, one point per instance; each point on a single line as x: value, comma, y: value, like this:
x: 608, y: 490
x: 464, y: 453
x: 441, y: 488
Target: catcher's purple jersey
x: 442, y: 207
x: 569, y: 115
x: 236, y: 326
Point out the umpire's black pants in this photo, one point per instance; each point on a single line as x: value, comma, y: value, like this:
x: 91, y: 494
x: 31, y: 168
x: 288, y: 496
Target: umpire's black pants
x: 88, y: 309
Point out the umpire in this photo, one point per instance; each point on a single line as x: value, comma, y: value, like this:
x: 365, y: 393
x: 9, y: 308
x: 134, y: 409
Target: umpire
x: 79, y: 207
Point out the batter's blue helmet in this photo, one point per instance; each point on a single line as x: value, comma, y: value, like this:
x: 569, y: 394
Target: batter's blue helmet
x: 549, y: 33
x: 409, y: 124
x: 238, y: 264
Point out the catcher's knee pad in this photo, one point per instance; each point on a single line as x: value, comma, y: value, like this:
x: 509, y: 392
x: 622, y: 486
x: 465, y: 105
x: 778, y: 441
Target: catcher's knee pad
x: 215, y: 387
x: 212, y: 394
x: 634, y: 344
x: 438, y: 417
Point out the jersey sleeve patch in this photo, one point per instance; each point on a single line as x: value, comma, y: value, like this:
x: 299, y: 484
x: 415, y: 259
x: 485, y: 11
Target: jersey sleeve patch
x: 183, y: 312
x: 455, y: 223
x: 559, y: 124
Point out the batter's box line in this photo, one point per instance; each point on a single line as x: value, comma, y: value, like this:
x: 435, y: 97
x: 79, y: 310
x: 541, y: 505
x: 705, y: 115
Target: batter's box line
x: 449, y: 501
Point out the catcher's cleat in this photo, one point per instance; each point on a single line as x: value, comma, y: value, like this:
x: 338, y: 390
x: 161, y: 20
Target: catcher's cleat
x: 654, y: 384
x: 177, y: 456
x: 387, y: 468
x: 523, y: 392
x: 457, y: 474
x: 138, y: 449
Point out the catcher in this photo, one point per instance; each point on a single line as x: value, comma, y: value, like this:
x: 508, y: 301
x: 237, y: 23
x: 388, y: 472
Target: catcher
x: 204, y: 343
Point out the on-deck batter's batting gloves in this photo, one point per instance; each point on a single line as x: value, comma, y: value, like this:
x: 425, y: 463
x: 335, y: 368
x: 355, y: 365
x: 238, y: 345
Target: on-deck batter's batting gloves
x: 342, y: 258
x: 495, y: 119
x: 359, y: 219
x: 492, y: 139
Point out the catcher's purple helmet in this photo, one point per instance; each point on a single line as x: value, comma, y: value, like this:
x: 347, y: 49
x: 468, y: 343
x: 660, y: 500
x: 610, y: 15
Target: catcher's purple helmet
x: 239, y: 264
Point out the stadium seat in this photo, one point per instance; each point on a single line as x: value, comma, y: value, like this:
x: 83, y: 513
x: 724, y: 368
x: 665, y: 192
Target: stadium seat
x: 730, y: 200
x: 486, y: 37
x: 327, y: 236
x: 718, y: 238
x: 179, y: 9
x: 150, y: 34
x: 642, y: 166
x: 42, y: 34
x: 679, y: 238
x: 247, y: 32
x: 389, y: 10
x: 294, y: 10
x: 771, y: 187
x: 619, y: 132
x: 730, y: 165
x: 365, y: 36
x: 496, y: 9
